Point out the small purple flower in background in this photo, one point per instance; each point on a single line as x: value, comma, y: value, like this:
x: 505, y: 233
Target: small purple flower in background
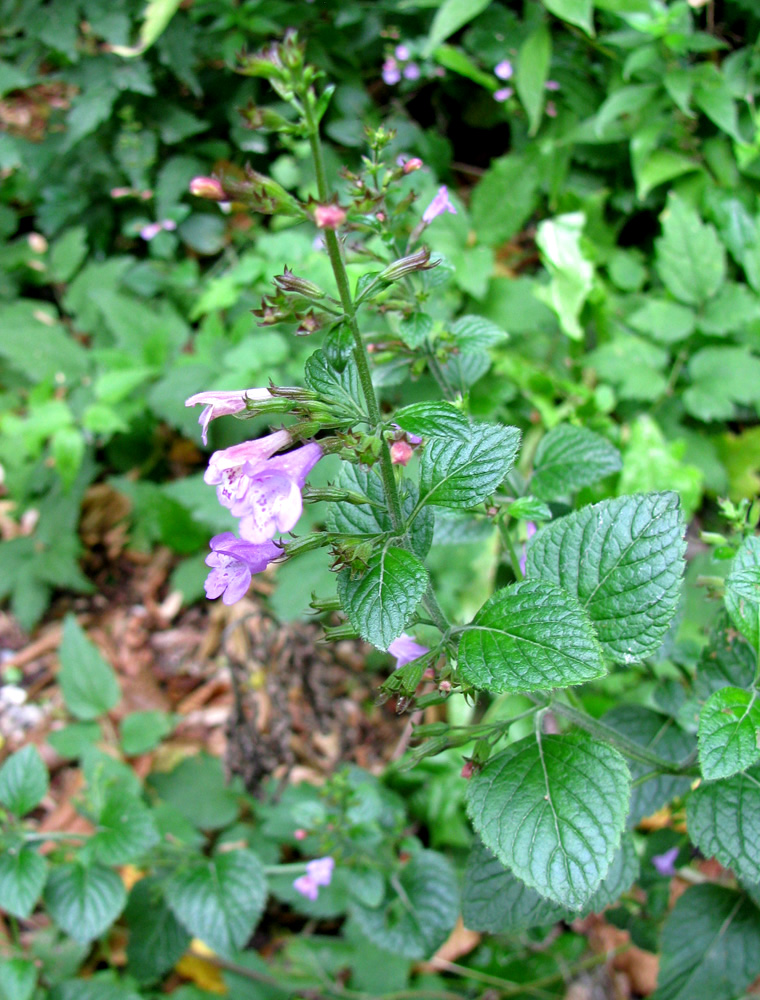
x: 665, y: 863
x: 402, y: 53
x: 551, y: 85
x: 233, y: 562
x: 411, y: 71
x: 530, y: 530
x: 318, y: 873
x: 222, y: 404
x: 152, y: 230
x: 503, y: 94
x: 272, y: 499
x: 391, y: 73
x: 504, y: 70
x: 438, y: 206
x: 406, y: 649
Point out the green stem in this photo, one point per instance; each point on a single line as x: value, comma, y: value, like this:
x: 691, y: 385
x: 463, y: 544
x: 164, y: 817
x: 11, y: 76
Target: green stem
x: 510, y: 549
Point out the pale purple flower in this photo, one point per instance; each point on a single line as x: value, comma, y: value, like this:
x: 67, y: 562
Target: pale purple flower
x: 222, y: 404
x: 665, y: 863
x: 150, y: 231
x: 438, y: 206
x: 530, y: 530
x: 402, y: 53
x: 551, y: 85
x: 503, y: 94
x: 406, y: 649
x: 411, y: 71
x: 233, y: 562
x: 225, y: 468
x: 391, y: 73
x: 504, y: 70
x: 318, y: 873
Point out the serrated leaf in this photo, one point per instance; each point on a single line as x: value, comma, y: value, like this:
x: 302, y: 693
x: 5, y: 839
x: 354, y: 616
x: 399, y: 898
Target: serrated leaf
x: 22, y: 877
x: 732, y: 308
x: 23, y: 780
x: 721, y: 376
x: 433, y: 420
x: 723, y: 818
x: 661, y: 735
x: 341, y: 388
x: 125, y: 829
x: 456, y: 473
x: 743, y: 590
x: 528, y: 637
x: 84, y: 900
x: 728, y: 660
x: 710, y: 946
x: 381, y: 601
x: 88, y: 683
x: 220, y: 899
x: 18, y: 978
x: 415, y: 329
x: 568, y: 458
x: 416, y: 923
x: 729, y: 728
x: 690, y: 258
x: 156, y: 938
x: 623, y: 560
x: 553, y: 810
x: 474, y: 333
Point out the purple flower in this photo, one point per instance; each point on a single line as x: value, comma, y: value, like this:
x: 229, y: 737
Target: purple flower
x: 530, y: 530
x: 402, y: 53
x: 504, y: 70
x: 225, y: 468
x: 233, y: 562
x: 221, y: 404
x: 551, y: 85
x: 503, y: 94
x: 150, y: 231
x: 438, y: 206
x: 406, y: 649
x: 665, y: 863
x: 272, y: 499
x: 318, y: 873
x: 391, y: 73
x: 411, y: 71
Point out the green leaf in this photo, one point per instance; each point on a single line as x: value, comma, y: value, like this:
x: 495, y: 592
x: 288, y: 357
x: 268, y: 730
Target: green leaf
x: 220, y: 899
x: 37, y: 345
x: 623, y: 560
x: 743, y: 590
x: 553, y: 808
x: 728, y: 660
x: 721, y: 376
x: 125, y: 829
x: 580, y: 12
x: 710, y: 946
x: 459, y: 62
x: 22, y: 876
x: 734, y: 307
x: 381, y: 601
x: 157, y: 15
x: 71, y: 741
x: 450, y: 17
x: 527, y: 637
x: 723, y: 818
x: 156, y: 938
x: 572, y: 273
x: 729, y: 728
x: 666, y: 321
x: 143, y: 731
x: 197, y: 789
x: 533, y: 62
x: 633, y: 365
x: 68, y: 253
x: 474, y: 333
x: 101, y: 986
x: 415, y: 329
x: 568, y: 458
x: 433, y: 420
x: 88, y: 682
x: 504, y: 199
x: 690, y: 259
x: 652, y: 167
x: 415, y: 920
x: 84, y: 900
x: 18, y: 978
x: 652, y: 463
x: 456, y: 473
x: 342, y: 389
x: 23, y: 780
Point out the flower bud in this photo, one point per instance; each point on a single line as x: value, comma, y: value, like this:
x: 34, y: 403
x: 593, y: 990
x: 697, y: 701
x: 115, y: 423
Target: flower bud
x: 207, y: 187
x: 329, y: 216
x: 467, y: 770
x: 419, y: 261
x: 262, y: 194
x: 412, y: 164
x: 289, y: 282
x: 401, y: 452
x: 300, y: 834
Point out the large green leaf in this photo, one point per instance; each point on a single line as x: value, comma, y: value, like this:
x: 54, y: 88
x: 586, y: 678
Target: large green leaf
x: 18, y: 978
x: 84, y: 900
x: 568, y: 458
x: 156, y: 938
x: 729, y: 727
x: 690, y: 259
x: 580, y: 12
x: 533, y: 61
x: 125, y: 829
x: 220, y: 899
x: 22, y: 877
x: 23, y: 780
x: 529, y: 636
x: 381, y: 601
x: 450, y: 17
x: 743, y: 590
x: 88, y: 683
x: 430, y: 419
x: 415, y: 919
x: 724, y: 822
x: 721, y: 377
x: 504, y: 199
x: 462, y: 473
x: 623, y: 560
x: 710, y: 946
x: 553, y: 810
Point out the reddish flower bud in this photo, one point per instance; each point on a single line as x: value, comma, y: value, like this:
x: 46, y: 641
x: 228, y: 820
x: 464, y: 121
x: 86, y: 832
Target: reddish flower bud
x: 445, y: 687
x: 401, y: 452
x: 415, y: 163
x: 300, y: 834
x: 207, y: 187
x: 467, y: 770
x: 329, y: 216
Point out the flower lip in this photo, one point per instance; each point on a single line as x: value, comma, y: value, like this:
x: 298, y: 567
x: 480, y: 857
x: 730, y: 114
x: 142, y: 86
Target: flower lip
x: 405, y: 649
x: 221, y: 404
x: 440, y: 204
x: 233, y: 562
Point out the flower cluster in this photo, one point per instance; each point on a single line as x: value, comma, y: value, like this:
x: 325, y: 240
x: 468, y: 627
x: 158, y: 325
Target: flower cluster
x: 318, y: 873
x: 400, y: 65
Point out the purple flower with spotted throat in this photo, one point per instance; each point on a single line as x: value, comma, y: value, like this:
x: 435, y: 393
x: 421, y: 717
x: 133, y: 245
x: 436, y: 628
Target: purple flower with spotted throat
x: 440, y: 204
x: 233, y: 562
x: 318, y: 873
x: 406, y: 649
x: 222, y: 404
